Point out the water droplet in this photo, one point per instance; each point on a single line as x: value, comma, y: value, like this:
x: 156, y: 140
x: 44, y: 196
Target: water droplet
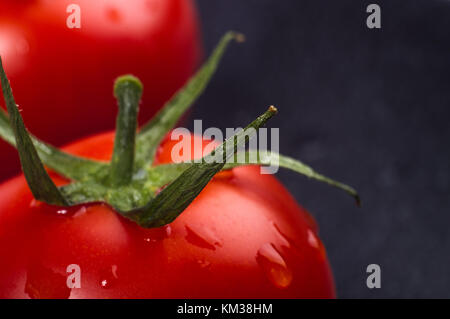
x: 109, y: 277
x: 315, y: 242
x: 80, y: 212
x: 61, y: 211
x: 114, y: 271
x: 224, y: 175
x: 35, y: 203
x: 168, y: 230
x: 312, y: 239
x: 202, y: 237
x: 274, y: 266
x: 155, y: 234
x: 288, y: 242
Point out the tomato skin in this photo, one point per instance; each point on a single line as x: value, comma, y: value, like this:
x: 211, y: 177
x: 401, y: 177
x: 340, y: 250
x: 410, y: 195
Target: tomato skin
x: 63, y: 78
x: 244, y: 236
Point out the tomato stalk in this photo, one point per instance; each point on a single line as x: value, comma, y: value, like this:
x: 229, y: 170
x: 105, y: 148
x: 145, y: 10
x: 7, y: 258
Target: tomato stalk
x: 165, y: 207
x: 130, y: 183
x: 128, y: 92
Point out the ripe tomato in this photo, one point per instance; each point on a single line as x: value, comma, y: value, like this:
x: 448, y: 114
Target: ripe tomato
x: 244, y: 236
x: 62, y: 76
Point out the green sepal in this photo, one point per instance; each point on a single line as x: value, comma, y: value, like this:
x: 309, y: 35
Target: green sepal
x: 174, y: 198
x: 83, y: 170
x: 122, y: 198
x: 168, y: 172
x: 269, y: 158
x: 128, y: 92
x: 94, y: 177
x: 157, y: 210
x: 130, y: 184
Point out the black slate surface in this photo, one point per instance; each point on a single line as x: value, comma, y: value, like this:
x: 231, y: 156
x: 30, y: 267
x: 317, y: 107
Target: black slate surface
x: 368, y: 107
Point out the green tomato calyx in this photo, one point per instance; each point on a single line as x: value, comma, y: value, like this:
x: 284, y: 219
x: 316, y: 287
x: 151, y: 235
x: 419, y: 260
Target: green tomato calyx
x: 129, y: 183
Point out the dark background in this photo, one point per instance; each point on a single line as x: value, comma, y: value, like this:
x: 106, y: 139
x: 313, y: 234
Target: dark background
x: 368, y: 107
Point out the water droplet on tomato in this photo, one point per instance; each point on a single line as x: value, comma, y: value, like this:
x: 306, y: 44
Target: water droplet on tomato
x: 286, y: 241
x: 109, y: 277
x: 155, y: 234
x: 168, y: 230
x: 35, y: 203
x: 315, y: 242
x: 202, y: 237
x: 274, y: 266
x: 80, y: 212
x: 224, y: 175
x: 61, y: 211
x: 312, y: 239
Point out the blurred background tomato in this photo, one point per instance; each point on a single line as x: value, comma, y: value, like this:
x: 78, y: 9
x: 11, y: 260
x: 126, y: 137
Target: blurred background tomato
x: 63, y: 77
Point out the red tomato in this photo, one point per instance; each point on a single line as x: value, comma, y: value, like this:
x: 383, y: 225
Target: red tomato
x: 244, y: 236
x: 61, y: 76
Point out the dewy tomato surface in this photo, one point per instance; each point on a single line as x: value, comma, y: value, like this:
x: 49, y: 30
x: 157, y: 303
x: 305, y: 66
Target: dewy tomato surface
x: 244, y: 236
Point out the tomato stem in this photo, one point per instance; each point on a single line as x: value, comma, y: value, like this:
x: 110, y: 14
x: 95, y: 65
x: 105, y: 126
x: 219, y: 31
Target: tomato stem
x: 129, y: 183
x: 128, y: 92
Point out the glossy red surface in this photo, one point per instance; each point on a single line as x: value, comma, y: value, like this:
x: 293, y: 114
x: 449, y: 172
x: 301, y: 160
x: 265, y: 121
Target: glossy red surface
x: 63, y: 78
x: 244, y: 236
